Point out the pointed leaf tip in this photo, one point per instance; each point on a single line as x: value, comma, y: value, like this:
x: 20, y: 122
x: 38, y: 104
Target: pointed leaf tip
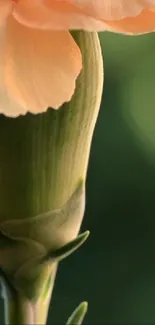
x: 69, y: 248
x: 78, y: 315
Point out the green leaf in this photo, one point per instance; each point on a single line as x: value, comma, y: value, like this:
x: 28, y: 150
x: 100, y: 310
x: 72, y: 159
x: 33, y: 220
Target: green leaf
x: 78, y: 315
x: 69, y: 248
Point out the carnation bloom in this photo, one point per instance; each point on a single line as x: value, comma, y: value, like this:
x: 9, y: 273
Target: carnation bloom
x: 39, y: 59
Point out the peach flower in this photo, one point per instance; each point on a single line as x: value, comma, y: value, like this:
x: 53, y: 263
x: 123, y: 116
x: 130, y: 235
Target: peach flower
x: 39, y: 59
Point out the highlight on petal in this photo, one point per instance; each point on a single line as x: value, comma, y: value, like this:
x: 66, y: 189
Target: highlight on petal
x: 40, y: 67
x: 102, y: 9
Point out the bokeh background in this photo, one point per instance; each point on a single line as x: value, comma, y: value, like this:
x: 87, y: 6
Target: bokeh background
x: 115, y: 269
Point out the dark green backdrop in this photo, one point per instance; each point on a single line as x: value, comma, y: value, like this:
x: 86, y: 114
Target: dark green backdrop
x: 115, y: 269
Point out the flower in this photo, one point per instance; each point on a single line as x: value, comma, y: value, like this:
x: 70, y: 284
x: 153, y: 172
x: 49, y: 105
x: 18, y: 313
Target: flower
x: 39, y: 59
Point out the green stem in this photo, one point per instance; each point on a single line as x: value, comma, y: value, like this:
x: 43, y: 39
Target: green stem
x: 21, y: 311
x: 18, y: 310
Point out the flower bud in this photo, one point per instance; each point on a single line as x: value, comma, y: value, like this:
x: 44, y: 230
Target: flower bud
x: 43, y: 159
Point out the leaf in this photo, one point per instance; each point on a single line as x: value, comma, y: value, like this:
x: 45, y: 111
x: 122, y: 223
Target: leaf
x: 78, y: 315
x: 69, y: 248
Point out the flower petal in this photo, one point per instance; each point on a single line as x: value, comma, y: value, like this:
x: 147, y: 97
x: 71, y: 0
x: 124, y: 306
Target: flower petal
x: 8, y: 106
x: 84, y: 14
x: 103, y: 9
x: 55, y: 16
x: 5, y: 10
x: 40, y: 67
x: 141, y: 24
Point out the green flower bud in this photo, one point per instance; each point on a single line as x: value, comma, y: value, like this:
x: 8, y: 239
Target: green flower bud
x: 43, y: 167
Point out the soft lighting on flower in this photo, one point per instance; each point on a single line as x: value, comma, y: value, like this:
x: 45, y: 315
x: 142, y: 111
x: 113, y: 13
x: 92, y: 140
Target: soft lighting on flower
x: 40, y: 61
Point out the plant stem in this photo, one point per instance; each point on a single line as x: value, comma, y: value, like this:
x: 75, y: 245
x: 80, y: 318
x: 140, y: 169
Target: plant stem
x: 18, y: 310
x: 21, y: 311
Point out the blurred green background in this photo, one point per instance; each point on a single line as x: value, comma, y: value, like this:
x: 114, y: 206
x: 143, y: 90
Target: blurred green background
x: 115, y: 269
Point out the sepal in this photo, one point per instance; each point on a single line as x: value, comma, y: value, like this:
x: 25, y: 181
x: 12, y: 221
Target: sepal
x: 69, y: 248
x: 78, y: 315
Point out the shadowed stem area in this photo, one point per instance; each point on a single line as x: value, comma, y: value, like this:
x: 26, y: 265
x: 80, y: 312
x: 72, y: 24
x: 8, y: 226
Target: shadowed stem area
x: 21, y: 311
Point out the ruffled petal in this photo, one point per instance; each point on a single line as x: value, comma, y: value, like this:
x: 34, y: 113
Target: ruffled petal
x: 88, y: 15
x: 141, y: 24
x: 8, y: 105
x: 40, y: 67
x: 103, y: 9
x: 55, y: 16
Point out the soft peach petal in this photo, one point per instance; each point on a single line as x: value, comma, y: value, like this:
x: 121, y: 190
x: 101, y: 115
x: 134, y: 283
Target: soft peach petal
x: 5, y: 10
x: 33, y: 14
x: 89, y: 15
x: 8, y: 106
x: 57, y: 16
x: 141, y: 24
x: 103, y: 9
x: 40, y: 67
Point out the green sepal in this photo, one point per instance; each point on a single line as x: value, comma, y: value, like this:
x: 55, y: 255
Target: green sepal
x: 78, y: 315
x: 25, y: 243
x: 69, y: 248
x: 47, y: 231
